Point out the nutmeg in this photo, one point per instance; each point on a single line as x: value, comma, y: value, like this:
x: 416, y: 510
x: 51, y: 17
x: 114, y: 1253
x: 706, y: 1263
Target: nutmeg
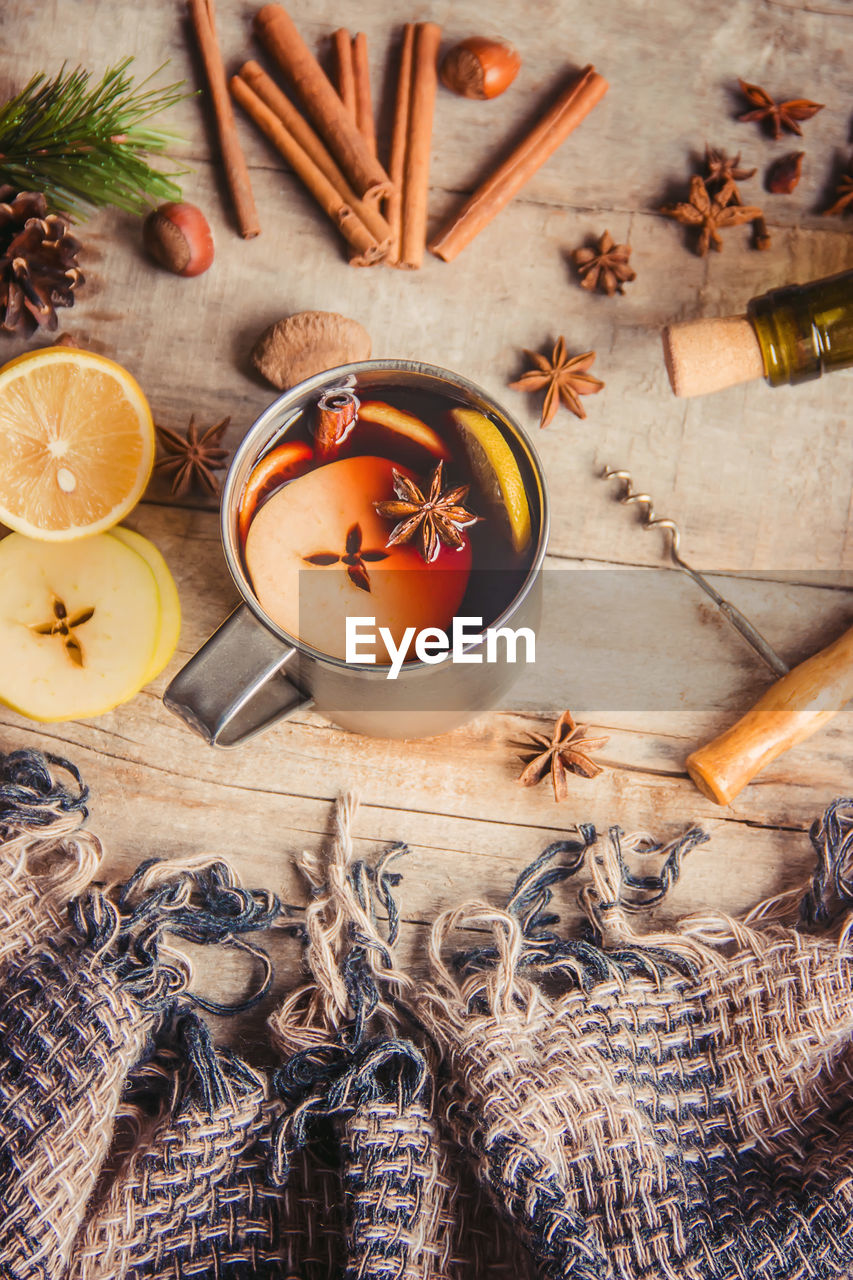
x: 480, y: 68
x: 179, y: 238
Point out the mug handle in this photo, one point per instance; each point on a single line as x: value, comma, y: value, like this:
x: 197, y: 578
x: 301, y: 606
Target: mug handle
x: 235, y: 685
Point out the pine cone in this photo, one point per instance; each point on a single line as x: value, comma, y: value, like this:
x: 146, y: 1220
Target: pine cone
x: 38, y: 263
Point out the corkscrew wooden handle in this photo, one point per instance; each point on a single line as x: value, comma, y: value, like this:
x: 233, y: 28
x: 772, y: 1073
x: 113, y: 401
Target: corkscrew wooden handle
x: 792, y: 709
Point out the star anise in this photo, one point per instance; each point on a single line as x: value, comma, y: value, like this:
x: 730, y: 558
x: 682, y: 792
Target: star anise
x: 565, y: 378
x: 779, y: 115
x: 438, y: 516
x: 605, y: 267
x: 567, y: 751
x: 191, y: 460
x: 353, y: 558
x: 843, y: 194
x: 64, y: 627
x: 710, y: 214
x: 723, y: 170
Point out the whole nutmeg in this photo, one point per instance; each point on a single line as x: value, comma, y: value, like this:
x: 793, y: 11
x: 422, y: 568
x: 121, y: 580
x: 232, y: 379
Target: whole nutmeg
x: 179, y: 238
x: 307, y: 343
x: 480, y: 68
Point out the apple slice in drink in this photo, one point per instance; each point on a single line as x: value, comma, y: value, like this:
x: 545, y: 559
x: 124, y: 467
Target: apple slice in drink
x: 78, y: 625
x: 316, y: 554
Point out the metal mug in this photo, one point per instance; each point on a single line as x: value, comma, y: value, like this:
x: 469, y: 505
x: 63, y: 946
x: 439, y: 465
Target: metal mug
x: 251, y: 673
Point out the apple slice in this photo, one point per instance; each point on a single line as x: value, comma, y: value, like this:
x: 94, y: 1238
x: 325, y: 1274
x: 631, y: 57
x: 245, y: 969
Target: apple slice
x: 405, y: 425
x: 316, y: 554
x: 78, y: 625
x: 170, y: 605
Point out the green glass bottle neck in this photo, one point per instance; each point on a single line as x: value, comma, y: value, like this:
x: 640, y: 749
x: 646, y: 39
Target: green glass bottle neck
x: 805, y: 330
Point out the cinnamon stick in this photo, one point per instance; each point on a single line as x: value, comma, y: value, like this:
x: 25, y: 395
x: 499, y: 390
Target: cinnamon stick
x: 344, y: 64
x: 279, y: 103
x: 399, y: 133
x: 315, y: 91
x: 327, y: 196
x: 365, y: 123
x: 573, y: 105
x: 418, y: 143
x: 203, y: 20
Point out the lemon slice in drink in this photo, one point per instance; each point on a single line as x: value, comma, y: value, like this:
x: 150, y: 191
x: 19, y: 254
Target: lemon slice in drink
x: 76, y: 444
x: 496, y: 472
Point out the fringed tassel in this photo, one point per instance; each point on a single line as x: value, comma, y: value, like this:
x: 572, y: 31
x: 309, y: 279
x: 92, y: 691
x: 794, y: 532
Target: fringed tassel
x: 46, y: 856
x: 76, y: 1014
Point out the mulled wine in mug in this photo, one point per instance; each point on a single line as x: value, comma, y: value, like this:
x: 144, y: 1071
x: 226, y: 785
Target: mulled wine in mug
x: 385, y: 523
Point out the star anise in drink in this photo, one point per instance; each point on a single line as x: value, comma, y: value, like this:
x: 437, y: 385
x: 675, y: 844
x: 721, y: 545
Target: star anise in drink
x: 563, y: 377
x: 605, y: 267
x: 354, y: 558
x: 710, y: 214
x: 437, y: 516
x: 192, y: 460
x: 777, y: 115
x: 567, y: 751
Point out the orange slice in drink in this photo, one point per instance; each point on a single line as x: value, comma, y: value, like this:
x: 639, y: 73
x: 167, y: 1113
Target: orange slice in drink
x: 76, y: 444
x: 403, y: 424
x: 287, y: 460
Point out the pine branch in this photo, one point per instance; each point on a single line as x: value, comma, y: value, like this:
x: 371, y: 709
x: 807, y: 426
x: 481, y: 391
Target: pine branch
x: 84, y: 146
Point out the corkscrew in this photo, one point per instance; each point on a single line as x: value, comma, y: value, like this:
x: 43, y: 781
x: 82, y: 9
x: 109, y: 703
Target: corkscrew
x: 795, y: 706
x: 729, y: 611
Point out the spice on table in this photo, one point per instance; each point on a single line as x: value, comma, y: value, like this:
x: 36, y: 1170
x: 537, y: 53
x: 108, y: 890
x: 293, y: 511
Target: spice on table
x: 710, y: 214
x: 843, y: 194
x: 566, y: 751
x: 38, y: 263
x: 178, y: 236
x: 354, y: 558
x: 84, y: 145
x: 605, y: 267
x: 480, y: 68
x: 330, y: 199
x: 723, y: 170
x: 437, y: 515
x: 367, y: 211
x: 333, y: 122
x: 191, y: 461
x: 354, y: 89
x: 761, y: 238
x: 342, y: 45
x: 553, y: 128
x: 203, y: 18
x: 565, y: 377
x: 778, y: 115
x: 306, y: 343
x: 784, y: 173
x: 413, y: 214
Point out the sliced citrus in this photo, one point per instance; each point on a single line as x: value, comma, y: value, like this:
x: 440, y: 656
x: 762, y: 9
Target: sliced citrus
x: 78, y: 625
x: 170, y: 606
x: 496, y: 473
x: 76, y: 443
x: 282, y: 463
x: 403, y: 424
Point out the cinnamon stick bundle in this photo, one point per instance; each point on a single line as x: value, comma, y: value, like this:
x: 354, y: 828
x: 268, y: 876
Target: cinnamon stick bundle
x: 324, y: 192
x: 572, y: 107
x: 399, y: 134
x: 203, y: 20
x: 418, y: 142
x: 278, y: 102
x: 315, y: 91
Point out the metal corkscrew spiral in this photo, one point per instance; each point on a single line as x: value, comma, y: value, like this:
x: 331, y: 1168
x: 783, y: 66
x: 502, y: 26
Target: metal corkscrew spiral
x: 732, y: 614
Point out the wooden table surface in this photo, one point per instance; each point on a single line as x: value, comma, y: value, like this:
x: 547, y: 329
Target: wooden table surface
x: 760, y: 480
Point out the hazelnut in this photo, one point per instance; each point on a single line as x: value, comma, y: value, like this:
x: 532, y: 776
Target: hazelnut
x: 480, y: 68
x: 179, y: 238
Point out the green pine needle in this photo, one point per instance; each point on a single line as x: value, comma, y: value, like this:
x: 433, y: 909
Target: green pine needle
x: 83, y: 146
